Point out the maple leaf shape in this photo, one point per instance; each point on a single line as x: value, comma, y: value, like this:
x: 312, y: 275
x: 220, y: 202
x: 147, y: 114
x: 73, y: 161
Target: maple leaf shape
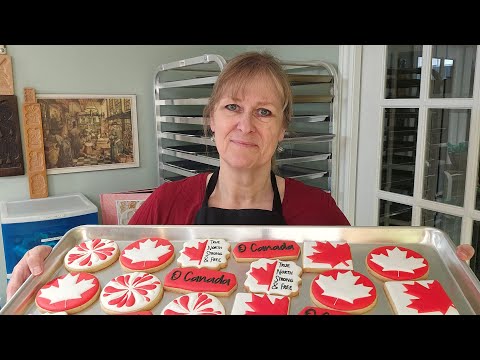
x: 147, y: 251
x: 331, y: 253
x: 262, y: 305
x: 396, y: 260
x: 68, y: 289
x: 344, y: 287
x: 431, y: 297
x: 264, y: 277
x: 196, y: 254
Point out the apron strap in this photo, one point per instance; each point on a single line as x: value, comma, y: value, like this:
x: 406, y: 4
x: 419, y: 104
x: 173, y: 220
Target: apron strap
x: 277, y: 203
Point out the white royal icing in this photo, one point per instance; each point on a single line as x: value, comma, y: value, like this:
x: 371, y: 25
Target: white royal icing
x: 130, y: 292
x: 216, y: 253
x: 343, y: 287
x: 397, y: 260
x: 91, y: 253
x: 400, y: 299
x: 196, y: 303
x: 284, y: 277
x: 147, y: 251
x: 308, y: 250
x: 69, y: 288
x: 240, y: 306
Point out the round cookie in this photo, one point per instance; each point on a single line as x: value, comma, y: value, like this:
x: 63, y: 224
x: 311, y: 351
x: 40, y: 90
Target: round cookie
x: 196, y: 303
x: 132, y: 292
x: 396, y: 263
x: 91, y: 255
x: 70, y: 293
x: 343, y: 290
x: 147, y: 254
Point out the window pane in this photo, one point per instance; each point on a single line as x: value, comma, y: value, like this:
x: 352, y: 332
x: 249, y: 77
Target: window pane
x: 403, y: 71
x: 394, y: 214
x: 450, y: 224
x: 446, y: 155
x: 453, y: 69
x: 399, y: 150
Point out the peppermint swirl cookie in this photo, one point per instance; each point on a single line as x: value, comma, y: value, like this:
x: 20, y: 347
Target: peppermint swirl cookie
x: 92, y: 255
x: 196, y: 303
x: 137, y: 291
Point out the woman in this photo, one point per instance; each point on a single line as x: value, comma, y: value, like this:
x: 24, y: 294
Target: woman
x: 248, y: 113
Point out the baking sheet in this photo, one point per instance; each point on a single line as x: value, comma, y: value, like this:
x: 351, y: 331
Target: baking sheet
x: 457, y: 278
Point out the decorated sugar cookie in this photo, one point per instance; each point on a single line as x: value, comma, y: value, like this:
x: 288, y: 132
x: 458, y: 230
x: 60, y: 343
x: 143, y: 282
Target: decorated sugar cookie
x: 274, y: 277
x: 260, y: 304
x: 343, y: 290
x: 423, y: 297
x: 132, y: 292
x: 92, y: 255
x: 319, y: 256
x: 205, y: 253
x: 196, y: 303
x: 148, y: 255
x: 70, y: 293
x: 396, y: 263
x: 186, y: 280
x: 248, y: 251
x: 312, y: 310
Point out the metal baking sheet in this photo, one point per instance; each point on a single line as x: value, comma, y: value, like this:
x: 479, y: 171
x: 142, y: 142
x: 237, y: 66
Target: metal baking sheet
x: 457, y: 278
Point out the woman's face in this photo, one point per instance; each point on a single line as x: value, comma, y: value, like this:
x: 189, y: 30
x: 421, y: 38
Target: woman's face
x: 249, y: 125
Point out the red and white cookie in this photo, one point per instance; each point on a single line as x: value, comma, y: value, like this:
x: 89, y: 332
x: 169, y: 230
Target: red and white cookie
x: 205, y: 253
x: 196, y: 303
x: 70, y: 293
x: 260, y: 304
x: 320, y: 256
x: 312, y: 310
x: 248, y: 251
x: 148, y: 255
x: 343, y: 290
x: 92, y: 255
x: 186, y: 280
x: 396, y: 263
x: 132, y: 292
x: 274, y: 277
x: 424, y: 297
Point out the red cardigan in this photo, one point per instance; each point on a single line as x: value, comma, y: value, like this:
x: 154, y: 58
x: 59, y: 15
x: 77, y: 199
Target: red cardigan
x: 177, y: 203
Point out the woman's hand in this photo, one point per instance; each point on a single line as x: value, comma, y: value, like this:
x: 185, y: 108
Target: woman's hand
x: 31, y: 263
x: 465, y: 252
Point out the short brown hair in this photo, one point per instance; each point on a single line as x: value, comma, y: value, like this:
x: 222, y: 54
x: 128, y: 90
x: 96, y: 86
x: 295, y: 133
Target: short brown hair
x: 241, y: 69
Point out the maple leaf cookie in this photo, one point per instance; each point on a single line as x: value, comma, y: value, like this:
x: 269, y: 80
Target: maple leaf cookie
x: 186, y: 280
x: 248, y: 251
x: 91, y: 255
x: 70, y: 293
x: 132, y: 292
x: 205, y: 253
x: 343, y: 290
x: 260, y: 304
x: 320, y: 256
x: 274, y: 277
x: 148, y: 255
x: 423, y: 297
x: 396, y: 263
x: 196, y: 303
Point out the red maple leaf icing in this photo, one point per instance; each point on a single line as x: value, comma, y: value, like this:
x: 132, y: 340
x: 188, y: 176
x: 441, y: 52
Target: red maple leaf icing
x: 196, y: 254
x: 264, y: 277
x: 430, y: 298
x: 329, y: 254
x: 261, y: 305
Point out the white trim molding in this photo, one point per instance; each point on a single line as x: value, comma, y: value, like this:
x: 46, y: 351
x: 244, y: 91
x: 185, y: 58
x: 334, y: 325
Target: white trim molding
x: 349, y: 74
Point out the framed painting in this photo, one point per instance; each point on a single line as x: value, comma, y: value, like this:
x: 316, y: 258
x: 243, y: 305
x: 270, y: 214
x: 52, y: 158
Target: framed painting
x: 11, y: 155
x: 89, y: 132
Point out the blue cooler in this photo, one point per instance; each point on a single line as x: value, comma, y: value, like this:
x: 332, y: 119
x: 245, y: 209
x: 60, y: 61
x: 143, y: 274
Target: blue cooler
x: 28, y: 223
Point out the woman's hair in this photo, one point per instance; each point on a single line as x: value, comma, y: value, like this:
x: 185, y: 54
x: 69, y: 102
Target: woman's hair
x: 242, y: 69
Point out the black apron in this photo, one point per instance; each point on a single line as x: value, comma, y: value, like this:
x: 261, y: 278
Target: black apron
x: 216, y: 216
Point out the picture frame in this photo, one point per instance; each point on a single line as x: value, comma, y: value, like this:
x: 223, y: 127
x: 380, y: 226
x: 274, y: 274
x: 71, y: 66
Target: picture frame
x: 118, y: 208
x: 85, y: 132
x: 11, y: 154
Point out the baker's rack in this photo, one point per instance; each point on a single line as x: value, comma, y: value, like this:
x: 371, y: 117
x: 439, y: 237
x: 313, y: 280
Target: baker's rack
x: 309, y: 151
